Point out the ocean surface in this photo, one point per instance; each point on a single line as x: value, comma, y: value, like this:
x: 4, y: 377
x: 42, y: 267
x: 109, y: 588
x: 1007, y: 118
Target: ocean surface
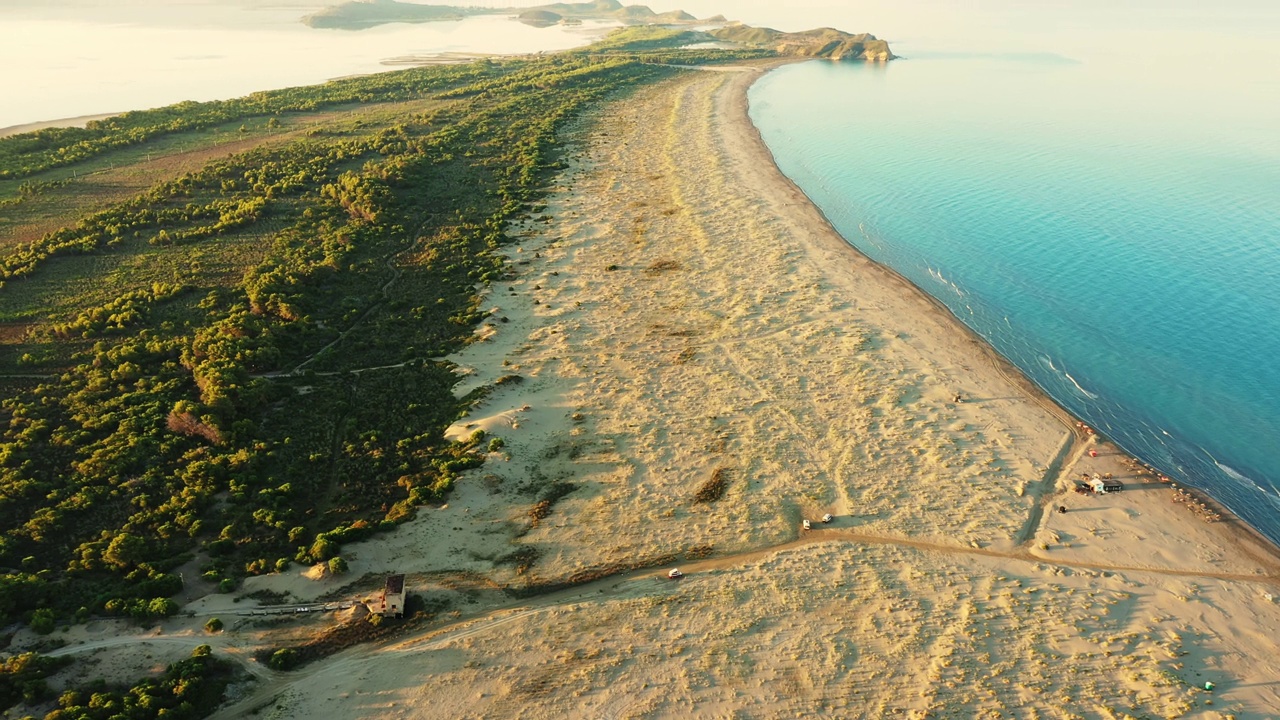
x: 1104, y: 210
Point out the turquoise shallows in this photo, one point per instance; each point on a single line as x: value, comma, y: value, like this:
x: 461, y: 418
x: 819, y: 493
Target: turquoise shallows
x: 1107, y: 229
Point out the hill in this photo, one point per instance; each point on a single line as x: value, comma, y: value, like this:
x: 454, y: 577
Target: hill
x: 539, y: 18
x: 361, y: 15
x: 819, y: 43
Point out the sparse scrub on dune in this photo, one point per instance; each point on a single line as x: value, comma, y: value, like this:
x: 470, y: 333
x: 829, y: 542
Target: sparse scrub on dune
x: 550, y: 495
x: 662, y: 266
x: 714, y: 487
x: 540, y: 511
x: 522, y: 558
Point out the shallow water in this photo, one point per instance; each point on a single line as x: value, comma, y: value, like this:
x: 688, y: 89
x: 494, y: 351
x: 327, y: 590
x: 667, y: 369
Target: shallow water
x: 1109, y: 220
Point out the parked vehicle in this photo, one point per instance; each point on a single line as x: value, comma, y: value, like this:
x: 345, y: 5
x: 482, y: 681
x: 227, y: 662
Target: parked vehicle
x: 675, y: 574
x: 827, y: 518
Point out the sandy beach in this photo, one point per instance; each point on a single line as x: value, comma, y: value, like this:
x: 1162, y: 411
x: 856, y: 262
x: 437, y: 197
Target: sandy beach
x: 62, y: 123
x: 703, y: 364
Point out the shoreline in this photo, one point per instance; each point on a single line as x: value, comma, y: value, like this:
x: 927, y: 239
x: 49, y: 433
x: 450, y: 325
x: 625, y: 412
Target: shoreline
x: 79, y: 122
x: 1011, y: 371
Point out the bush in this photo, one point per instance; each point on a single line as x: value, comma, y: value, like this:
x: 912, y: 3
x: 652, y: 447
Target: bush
x: 283, y: 659
x: 337, y: 566
x: 323, y: 548
x: 714, y: 488
x: 213, y: 626
x: 22, y: 678
x: 42, y: 621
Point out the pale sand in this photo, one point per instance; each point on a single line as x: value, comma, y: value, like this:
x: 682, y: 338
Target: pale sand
x: 824, y: 383
x: 61, y: 123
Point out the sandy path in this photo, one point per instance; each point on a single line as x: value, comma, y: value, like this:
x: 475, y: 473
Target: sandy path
x: 473, y: 628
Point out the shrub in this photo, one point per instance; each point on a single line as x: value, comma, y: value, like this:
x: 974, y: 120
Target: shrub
x: 323, y: 548
x: 214, y: 625
x: 283, y: 659
x: 42, y: 622
x: 714, y: 488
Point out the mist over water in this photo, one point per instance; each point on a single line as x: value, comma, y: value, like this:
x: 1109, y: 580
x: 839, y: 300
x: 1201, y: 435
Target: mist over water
x: 1106, y: 212
x: 74, y: 58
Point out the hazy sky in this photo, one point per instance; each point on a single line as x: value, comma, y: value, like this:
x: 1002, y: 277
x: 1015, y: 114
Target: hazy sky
x: 80, y: 57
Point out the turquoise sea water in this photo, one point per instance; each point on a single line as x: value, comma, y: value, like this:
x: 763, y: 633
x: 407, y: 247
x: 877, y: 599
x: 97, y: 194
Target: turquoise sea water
x: 1110, y: 225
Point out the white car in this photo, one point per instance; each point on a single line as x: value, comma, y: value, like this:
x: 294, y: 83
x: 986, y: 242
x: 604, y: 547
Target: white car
x: 827, y: 518
x: 805, y: 524
x: 675, y: 574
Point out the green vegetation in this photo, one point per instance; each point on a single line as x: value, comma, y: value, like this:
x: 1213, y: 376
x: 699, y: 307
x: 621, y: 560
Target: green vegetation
x: 29, y: 153
x: 237, y: 362
x: 188, y: 689
x: 22, y: 678
x: 283, y: 659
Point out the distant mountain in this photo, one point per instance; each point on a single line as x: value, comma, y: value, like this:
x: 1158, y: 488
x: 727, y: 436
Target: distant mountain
x: 370, y: 13
x: 675, y: 16
x: 822, y: 42
x: 540, y: 18
x: 585, y: 8
x: 361, y: 14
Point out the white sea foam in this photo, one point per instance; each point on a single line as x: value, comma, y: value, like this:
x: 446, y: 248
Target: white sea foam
x: 862, y: 229
x: 1086, y: 393
x: 937, y: 275
x: 1241, y: 477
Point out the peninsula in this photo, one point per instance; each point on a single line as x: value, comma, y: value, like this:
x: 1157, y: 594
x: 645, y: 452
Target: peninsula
x: 403, y: 395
